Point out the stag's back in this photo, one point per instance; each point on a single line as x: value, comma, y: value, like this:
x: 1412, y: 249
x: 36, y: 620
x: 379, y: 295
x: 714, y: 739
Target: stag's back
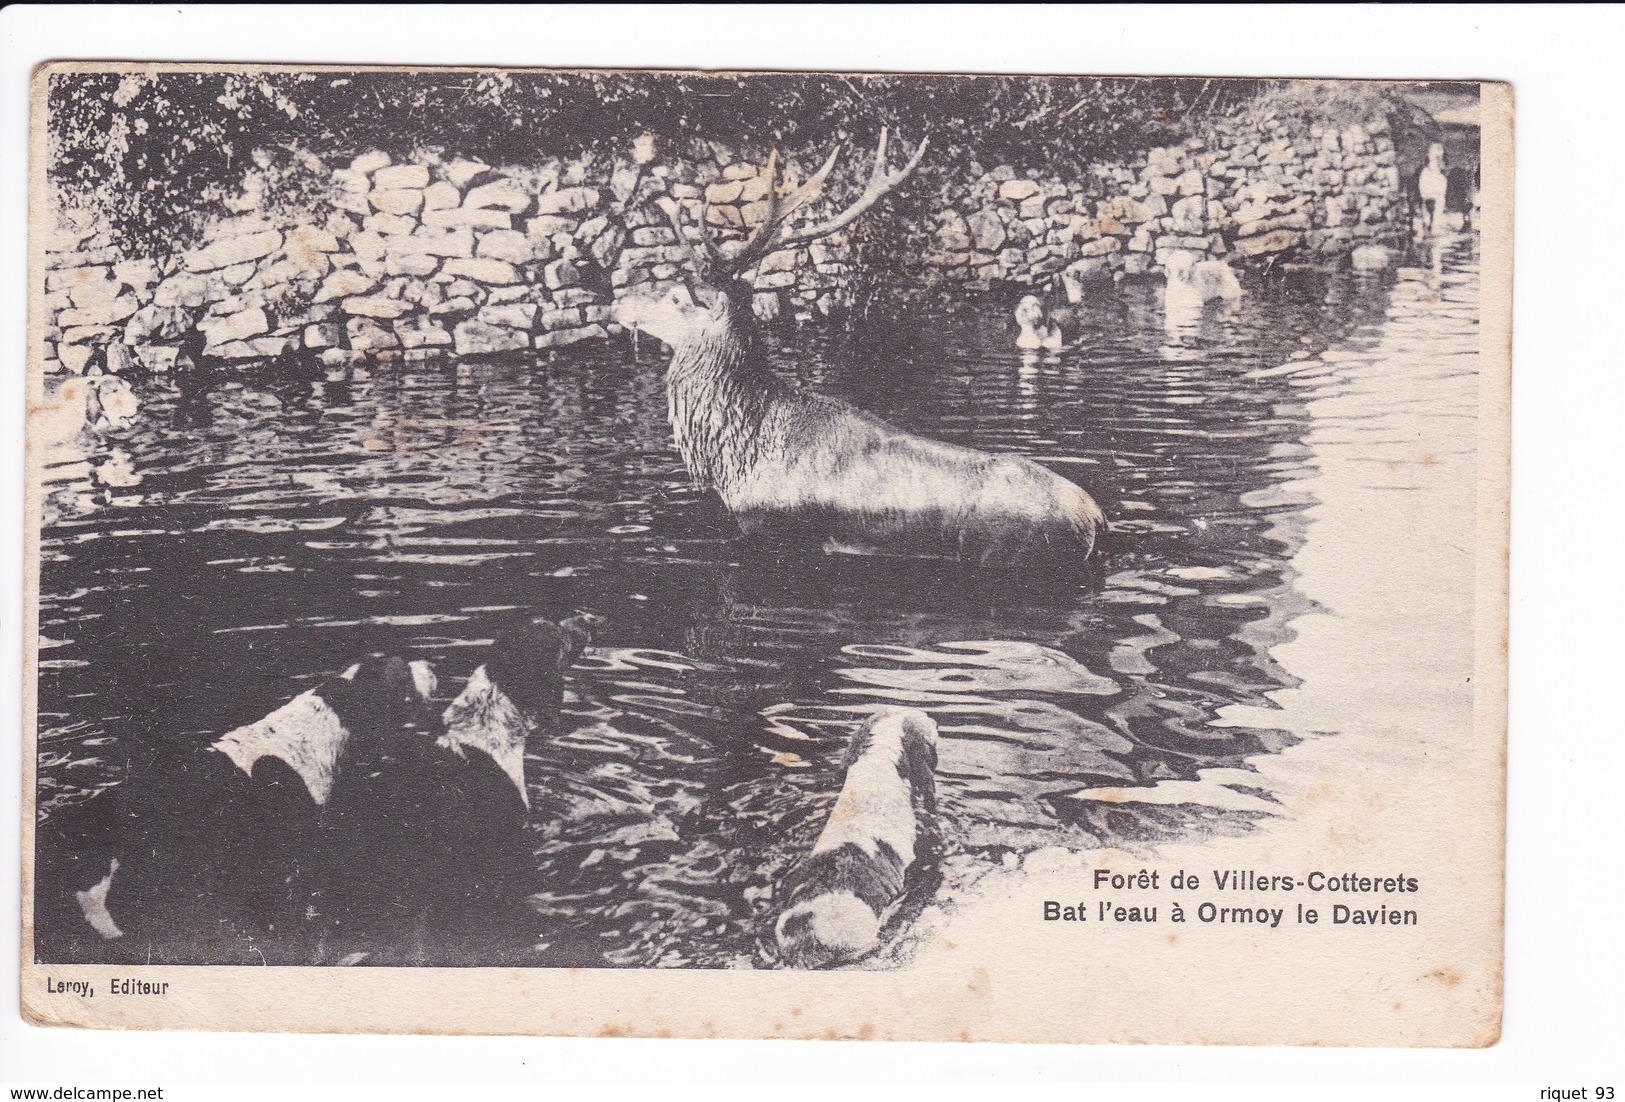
x: 846, y: 479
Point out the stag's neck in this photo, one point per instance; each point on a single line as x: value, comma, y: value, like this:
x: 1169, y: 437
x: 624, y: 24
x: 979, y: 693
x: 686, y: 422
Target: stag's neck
x: 719, y: 394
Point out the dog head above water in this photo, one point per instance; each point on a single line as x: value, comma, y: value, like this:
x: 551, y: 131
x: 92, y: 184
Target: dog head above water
x: 515, y: 691
x: 528, y: 662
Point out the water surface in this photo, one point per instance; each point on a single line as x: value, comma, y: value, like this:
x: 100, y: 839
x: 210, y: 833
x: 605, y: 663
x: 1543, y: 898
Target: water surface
x: 251, y: 536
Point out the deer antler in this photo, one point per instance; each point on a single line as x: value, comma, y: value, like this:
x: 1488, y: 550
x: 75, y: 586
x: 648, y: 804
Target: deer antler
x: 880, y: 182
x: 715, y: 266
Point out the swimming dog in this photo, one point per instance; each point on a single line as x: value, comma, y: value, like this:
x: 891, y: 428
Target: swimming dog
x: 201, y: 858
x: 841, y: 895
x: 421, y: 848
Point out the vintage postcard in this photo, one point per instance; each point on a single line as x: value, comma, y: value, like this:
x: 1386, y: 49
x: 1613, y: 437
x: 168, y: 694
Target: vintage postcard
x: 1011, y: 558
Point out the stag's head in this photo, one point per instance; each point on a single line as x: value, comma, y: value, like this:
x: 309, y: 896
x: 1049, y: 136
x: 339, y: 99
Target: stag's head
x: 720, y: 290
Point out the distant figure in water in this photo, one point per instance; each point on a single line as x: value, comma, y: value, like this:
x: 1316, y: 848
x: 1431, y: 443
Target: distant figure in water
x: 1037, y: 332
x: 1202, y: 281
x: 90, y: 403
x: 1433, y: 185
x: 849, y: 885
x: 1192, y: 284
x: 1043, y: 328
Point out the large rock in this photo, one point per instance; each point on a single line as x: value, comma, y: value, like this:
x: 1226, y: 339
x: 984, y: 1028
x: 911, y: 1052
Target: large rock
x: 509, y: 245
x: 351, y: 182
x: 189, y: 289
x: 502, y: 195
x: 155, y: 323
x: 471, y: 218
x: 366, y: 335
x: 88, y: 334
x: 560, y: 338
x: 324, y: 334
x: 235, y: 327
x: 574, y: 296
x: 65, y: 279
x: 513, y: 315
x: 953, y: 235
x: 410, y: 262
x: 100, y: 313
x: 390, y: 225
x: 986, y: 231
x: 571, y: 200
x: 74, y: 357
x: 566, y: 318
x: 444, y: 242
x: 425, y: 334
x: 461, y: 172
x: 442, y: 196
x: 237, y: 274
x: 302, y: 241
x: 623, y: 182
x: 1269, y: 225
x: 1165, y: 162
x: 476, y: 338
x: 344, y: 283
x: 93, y: 292
x: 375, y: 306
x: 1014, y: 191
x: 397, y: 200
x: 157, y: 358
x: 482, y: 269
x: 726, y: 192
x: 257, y: 348
x: 561, y: 273
x: 401, y: 176
x: 458, y: 304
x: 229, y: 251
x: 370, y: 162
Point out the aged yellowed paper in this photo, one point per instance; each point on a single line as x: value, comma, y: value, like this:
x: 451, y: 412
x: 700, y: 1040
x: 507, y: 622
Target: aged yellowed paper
x: 767, y: 555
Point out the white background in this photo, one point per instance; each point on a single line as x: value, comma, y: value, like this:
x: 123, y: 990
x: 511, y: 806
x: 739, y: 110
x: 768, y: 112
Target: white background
x: 1563, y: 1019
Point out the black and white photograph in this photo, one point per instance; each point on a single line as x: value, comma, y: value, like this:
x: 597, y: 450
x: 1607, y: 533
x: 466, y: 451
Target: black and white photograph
x: 935, y: 531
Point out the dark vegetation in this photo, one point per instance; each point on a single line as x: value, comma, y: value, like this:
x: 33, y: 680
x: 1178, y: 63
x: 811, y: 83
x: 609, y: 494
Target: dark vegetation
x: 159, y: 153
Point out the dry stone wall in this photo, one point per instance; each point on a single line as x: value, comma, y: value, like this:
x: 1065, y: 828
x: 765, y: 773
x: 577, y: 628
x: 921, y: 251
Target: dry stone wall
x: 1251, y: 190
x: 451, y: 256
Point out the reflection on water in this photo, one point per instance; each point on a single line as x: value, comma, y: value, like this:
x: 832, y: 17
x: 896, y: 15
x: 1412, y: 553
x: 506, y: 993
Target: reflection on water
x: 251, y: 536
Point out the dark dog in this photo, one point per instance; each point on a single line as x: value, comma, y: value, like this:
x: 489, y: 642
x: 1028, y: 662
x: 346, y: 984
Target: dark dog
x: 422, y: 846
x: 200, y: 859
x: 841, y: 895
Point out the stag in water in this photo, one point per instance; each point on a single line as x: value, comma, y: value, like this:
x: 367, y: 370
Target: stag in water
x: 792, y: 465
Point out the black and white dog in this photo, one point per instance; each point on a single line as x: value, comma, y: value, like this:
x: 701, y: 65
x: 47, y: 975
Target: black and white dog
x: 859, y: 869
x: 422, y: 845
x: 202, y: 857
x: 349, y: 824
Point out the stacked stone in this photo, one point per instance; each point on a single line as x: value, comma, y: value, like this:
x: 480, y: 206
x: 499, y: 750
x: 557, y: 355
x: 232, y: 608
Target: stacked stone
x: 416, y: 259
x: 460, y: 257
x: 1257, y: 188
x: 1009, y: 227
x: 91, y: 290
x: 807, y: 279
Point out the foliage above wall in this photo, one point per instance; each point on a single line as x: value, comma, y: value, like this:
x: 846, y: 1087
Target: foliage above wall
x: 158, y: 153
